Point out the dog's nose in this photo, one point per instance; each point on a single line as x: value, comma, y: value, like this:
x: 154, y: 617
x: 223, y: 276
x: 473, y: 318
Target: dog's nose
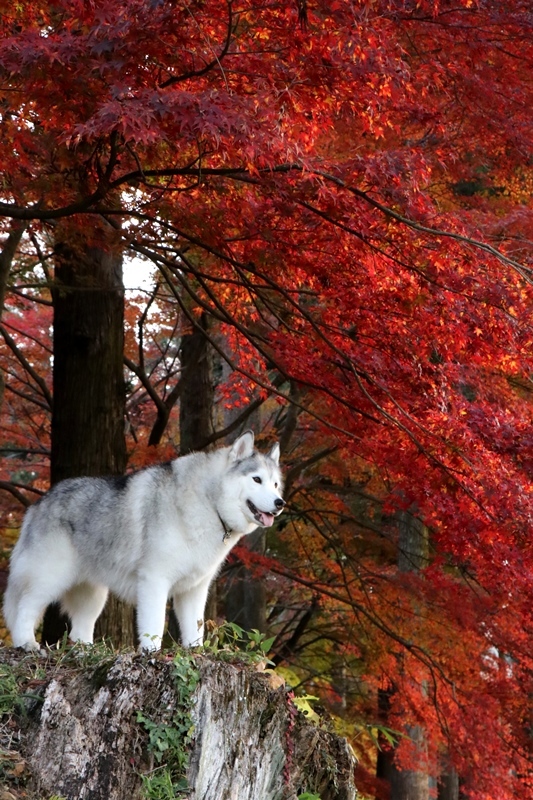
x: 279, y: 503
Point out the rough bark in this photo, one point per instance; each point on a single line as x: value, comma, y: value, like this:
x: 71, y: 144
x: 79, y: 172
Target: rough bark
x: 88, y: 386
x: 448, y: 786
x: 83, y: 741
x: 89, y: 393
x: 197, y: 393
x: 196, y: 417
x: 406, y: 784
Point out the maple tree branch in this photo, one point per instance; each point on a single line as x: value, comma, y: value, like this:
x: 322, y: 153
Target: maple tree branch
x: 212, y: 64
x: 165, y: 265
x: 162, y: 418
x: 9, y: 487
x: 288, y: 647
x: 294, y: 473
x: 37, y: 211
x: 43, y: 259
x: 326, y: 590
x: 19, y: 393
x: 242, y: 417
x: 24, y: 451
x: 266, y: 353
x: 235, y: 424
x: 21, y: 358
x: 27, y: 335
x: 164, y: 405
x: 18, y: 292
x: 291, y: 418
x: 417, y: 226
x: 141, y: 322
x: 7, y: 255
x: 147, y: 384
x: 241, y: 269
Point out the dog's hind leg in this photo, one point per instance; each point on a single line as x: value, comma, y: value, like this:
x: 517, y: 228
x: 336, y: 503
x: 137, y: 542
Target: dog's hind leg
x: 23, y: 611
x: 84, y: 604
x: 28, y: 594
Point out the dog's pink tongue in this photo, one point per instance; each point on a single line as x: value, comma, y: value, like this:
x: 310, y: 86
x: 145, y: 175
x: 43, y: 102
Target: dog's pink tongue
x: 266, y: 519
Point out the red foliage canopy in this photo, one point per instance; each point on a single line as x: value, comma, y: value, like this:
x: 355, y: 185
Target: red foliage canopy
x: 346, y: 188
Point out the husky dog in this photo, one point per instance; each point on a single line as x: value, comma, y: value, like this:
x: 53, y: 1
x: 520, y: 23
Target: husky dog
x: 163, y: 531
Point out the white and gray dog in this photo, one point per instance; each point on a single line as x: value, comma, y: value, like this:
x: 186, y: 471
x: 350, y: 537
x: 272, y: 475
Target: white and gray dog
x: 163, y: 531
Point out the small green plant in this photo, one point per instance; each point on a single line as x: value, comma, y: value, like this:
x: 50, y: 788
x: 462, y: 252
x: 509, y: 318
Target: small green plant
x: 169, y: 741
x: 9, y: 689
x: 229, y: 641
x: 13, y: 696
x: 159, y: 785
x: 83, y: 655
x: 309, y: 796
x: 377, y: 733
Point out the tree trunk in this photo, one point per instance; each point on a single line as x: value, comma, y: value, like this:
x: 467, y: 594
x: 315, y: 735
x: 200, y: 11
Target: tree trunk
x: 197, y: 394
x: 448, y: 786
x: 88, y: 382
x: 244, y: 593
x: 196, y: 416
x: 89, y: 394
x: 227, y: 730
x: 245, y: 596
x: 410, y: 784
x: 406, y: 784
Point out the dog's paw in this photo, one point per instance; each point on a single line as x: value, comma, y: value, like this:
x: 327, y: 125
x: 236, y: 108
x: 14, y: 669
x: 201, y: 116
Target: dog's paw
x: 149, y: 644
x: 32, y: 647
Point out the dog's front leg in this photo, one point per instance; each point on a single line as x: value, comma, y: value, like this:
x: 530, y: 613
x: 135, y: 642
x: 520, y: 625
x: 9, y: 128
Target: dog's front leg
x: 151, y: 609
x: 189, y: 608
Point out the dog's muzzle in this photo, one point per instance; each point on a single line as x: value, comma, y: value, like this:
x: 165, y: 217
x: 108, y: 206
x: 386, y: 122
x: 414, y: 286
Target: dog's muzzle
x: 266, y: 518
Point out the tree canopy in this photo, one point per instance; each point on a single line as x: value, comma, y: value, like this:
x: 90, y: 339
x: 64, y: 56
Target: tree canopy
x: 344, y: 189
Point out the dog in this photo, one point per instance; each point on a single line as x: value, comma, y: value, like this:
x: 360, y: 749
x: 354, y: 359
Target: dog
x: 161, y: 532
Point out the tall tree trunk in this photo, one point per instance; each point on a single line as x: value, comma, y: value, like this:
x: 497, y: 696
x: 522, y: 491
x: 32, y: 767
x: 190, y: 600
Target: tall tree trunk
x: 406, y: 784
x: 89, y: 394
x: 448, y: 785
x: 196, y: 415
x: 245, y: 599
x: 244, y: 590
x: 88, y: 382
x: 197, y: 393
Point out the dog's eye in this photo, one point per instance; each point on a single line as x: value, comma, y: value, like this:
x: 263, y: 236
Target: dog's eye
x: 275, y: 486
x: 257, y: 479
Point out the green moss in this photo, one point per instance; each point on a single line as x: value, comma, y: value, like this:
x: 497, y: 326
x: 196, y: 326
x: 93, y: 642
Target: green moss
x: 169, y: 742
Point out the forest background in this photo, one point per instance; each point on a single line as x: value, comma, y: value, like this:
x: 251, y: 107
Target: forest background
x: 332, y: 201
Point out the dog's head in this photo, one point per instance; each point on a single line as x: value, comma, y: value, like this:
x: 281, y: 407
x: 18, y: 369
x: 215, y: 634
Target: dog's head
x: 255, y: 481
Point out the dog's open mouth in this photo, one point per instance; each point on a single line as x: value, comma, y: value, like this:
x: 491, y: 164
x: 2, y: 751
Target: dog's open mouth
x: 262, y: 517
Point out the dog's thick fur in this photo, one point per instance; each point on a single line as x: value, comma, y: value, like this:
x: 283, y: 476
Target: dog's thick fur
x: 163, y: 531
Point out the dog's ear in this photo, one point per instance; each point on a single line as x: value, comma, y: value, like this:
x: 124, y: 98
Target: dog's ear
x: 243, y: 447
x: 274, y: 453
